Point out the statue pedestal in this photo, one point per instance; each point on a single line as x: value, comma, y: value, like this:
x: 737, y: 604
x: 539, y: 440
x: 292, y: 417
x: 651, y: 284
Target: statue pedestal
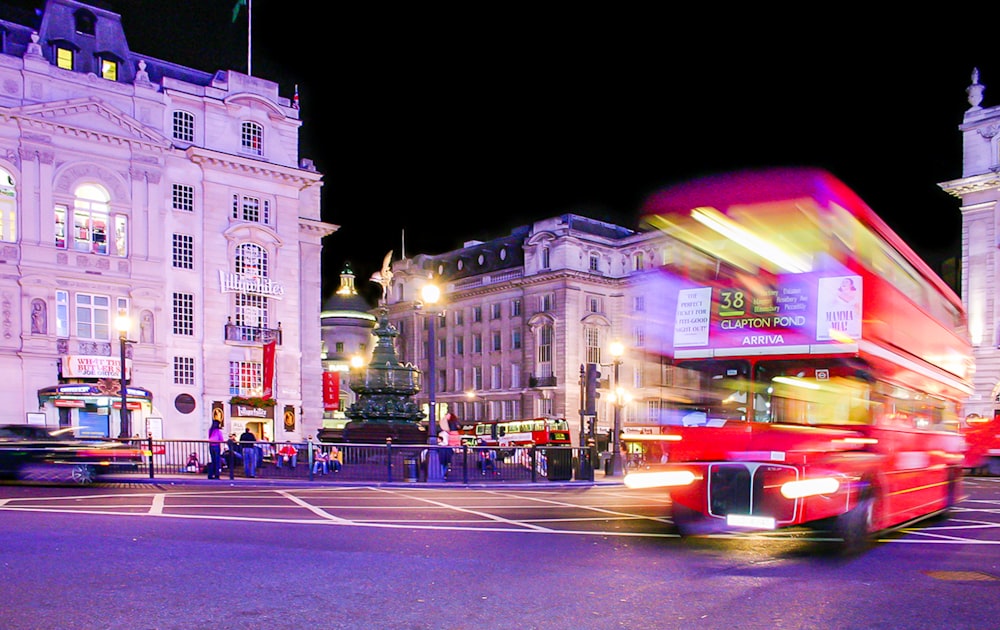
x: 369, y: 432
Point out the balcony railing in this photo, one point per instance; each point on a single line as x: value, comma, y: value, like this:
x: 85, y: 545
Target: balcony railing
x: 541, y: 381
x: 252, y: 334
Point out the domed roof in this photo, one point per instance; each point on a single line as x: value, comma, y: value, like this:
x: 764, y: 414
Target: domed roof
x: 345, y: 302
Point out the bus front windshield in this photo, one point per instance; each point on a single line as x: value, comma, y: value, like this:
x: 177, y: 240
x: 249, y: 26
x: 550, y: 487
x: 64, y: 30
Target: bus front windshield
x: 811, y: 392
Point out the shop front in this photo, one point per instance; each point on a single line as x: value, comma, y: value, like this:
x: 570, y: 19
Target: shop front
x: 95, y: 407
x: 89, y: 397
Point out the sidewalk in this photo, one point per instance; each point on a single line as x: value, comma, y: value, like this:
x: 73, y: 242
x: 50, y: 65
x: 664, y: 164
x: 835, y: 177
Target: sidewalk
x: 191, y: 479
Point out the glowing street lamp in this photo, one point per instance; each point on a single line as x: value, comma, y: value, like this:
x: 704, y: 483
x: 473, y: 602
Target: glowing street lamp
x: 430, y: 293
x: 617, y: 350
x: 122, y: 324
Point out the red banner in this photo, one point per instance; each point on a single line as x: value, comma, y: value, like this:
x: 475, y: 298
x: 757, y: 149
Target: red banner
x: 269, y: 369
x: 331, y: 391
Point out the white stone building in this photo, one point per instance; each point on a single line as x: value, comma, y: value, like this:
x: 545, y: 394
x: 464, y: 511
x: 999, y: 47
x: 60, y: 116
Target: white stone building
x: 522, y: 313
x: 133, y: 186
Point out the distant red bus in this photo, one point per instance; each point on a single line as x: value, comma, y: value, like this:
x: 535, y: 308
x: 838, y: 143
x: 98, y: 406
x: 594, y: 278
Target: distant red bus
x: 983, y: 444
x: 523, y: 432
x: 816, y: 361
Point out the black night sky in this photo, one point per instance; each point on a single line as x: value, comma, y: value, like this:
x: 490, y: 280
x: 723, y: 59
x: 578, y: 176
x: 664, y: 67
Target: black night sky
x: 459, y: 124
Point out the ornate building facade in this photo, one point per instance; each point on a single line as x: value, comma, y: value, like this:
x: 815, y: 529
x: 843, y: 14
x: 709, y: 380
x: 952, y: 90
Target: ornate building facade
x: 521, y: 315
x: 131, y: 187
x: 979, y: 192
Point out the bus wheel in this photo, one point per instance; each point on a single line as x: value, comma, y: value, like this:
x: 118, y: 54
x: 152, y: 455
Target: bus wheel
x: 83, y: 474
x: 684, y: 519
x: 854, y: 527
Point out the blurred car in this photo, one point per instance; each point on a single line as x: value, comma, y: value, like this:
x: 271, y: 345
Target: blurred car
x: 23, y: 445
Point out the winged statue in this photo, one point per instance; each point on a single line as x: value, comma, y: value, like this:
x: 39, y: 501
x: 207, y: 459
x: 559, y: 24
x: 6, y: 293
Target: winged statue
x: 384, y: 276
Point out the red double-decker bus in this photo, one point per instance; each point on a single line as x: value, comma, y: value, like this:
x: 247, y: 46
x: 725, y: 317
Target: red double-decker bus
x: 817, y: 362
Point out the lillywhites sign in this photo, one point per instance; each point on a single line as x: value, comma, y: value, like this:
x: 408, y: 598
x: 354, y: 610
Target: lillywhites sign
x: 246, y: 411
x: 235, y: 283
x: 78, y: 366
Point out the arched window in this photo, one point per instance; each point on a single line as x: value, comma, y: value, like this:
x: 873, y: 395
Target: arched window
x: 251, y: 260
x: 86, y: 225
x: 252, y: 137
x: 8, y: 207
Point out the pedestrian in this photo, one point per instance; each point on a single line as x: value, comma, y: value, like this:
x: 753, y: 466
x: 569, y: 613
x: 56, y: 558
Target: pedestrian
x: 287, y: 454
x: 321, y: 462
x: 248, y: 446
x: 444, y: 453
x: 232, y: 454
x: 336, y: 459
x: 215, y: 440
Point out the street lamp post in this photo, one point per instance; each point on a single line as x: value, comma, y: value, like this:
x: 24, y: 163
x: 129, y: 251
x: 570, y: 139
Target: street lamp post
x: 617, y: 350
x: 431, y: 293
x: 123, y: 323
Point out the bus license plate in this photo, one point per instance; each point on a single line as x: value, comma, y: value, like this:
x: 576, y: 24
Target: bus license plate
x: 746, y: 520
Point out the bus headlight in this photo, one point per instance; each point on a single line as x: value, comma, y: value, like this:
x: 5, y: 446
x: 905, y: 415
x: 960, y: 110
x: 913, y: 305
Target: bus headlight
x: 659, y: 479
x: 809, y: 487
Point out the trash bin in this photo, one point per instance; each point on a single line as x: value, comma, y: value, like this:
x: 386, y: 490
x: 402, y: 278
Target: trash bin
x: 560, y: 464
x: 410, y: 468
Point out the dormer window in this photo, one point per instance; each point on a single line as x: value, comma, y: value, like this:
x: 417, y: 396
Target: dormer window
x: 85, y: 21
x: 109, y: 69
x: 64, y: 58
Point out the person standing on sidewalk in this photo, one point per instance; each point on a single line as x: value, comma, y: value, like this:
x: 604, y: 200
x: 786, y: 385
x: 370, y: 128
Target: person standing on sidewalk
x: 248, y: 444
x: 215, y: 440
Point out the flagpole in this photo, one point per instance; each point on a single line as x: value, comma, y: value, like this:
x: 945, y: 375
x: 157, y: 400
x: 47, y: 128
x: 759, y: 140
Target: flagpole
x: 249, y: 34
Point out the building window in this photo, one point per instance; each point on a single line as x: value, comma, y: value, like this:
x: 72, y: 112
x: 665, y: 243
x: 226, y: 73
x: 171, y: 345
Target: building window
x: 545, y: 407
x: 515, y: 340
x: 184, y: 126
x: 592, y: 341
x: 183, y: 312
x: 496, y: 409
x: 251, y: 310
x: 545, y: 350
x: 62, y: 314
x: 183, y: 251
x: 638, y: 336
x: 477, y: 344
x: 109, y: 69
x: 495, y: 310
x: 477, y: 314
x: 183, y: 371
x: 64, y: 58
x: 497, y: 341
x: 545, y: 302
x: 442, y: 347
x: 638, y: 261
x: 515, y: 375
x: 595, y: 304
x: 90, y: 218
x: 496, y: 377
x: 545, y: 258
x: 84, y: 22
x: 245, y: 378
x: 93, y: 317
x: 460, y: 345
x: 252, y: 138
x: 182, y: 197
x: 595, y: 262
x: 515, y: 308
x: 251, y: 209
x: 511, y: 410
x: 251, y: 261
x: 477, y: 377
x: 639, y: 303
x: 339, y: 347
x: 459, y: 379
x: 459, y: 317
x: 8, y: 207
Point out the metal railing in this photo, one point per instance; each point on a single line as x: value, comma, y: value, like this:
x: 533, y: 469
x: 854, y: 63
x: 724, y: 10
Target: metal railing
x: 374, y: 463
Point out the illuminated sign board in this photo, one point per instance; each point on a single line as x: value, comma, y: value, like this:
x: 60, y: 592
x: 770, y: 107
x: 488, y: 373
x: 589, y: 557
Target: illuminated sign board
x: 85, y: 366
x: 794, y: 313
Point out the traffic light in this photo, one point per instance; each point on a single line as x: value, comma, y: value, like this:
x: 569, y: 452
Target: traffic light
x: 590, y: 390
